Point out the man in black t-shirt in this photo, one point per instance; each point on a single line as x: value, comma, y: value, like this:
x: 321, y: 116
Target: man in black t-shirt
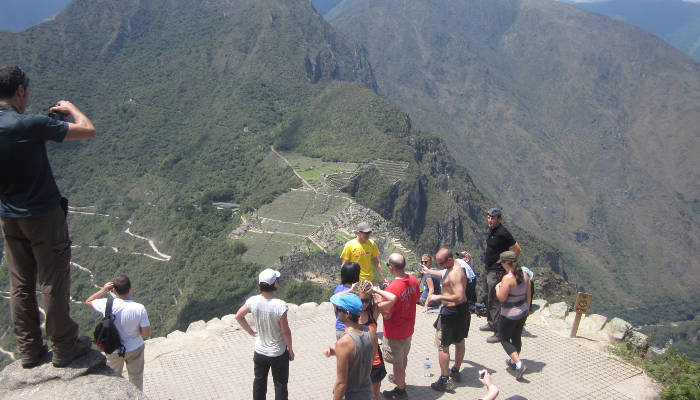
x: 497, y: 241
x: 33, y: 222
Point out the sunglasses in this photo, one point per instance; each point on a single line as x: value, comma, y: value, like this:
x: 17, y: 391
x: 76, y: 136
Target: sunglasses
x: 424, y: 261
x: 366, y: 300
x: 340, y: 310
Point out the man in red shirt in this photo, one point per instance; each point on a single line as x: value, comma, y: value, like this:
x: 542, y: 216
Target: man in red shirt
x: 398, y: 323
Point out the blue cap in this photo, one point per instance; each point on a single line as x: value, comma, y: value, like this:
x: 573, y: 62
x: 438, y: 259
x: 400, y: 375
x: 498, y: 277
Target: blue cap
x: 348, y: 301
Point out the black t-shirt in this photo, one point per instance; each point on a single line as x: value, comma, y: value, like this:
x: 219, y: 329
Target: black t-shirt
x: 27, y: 185
x: 497, y: 241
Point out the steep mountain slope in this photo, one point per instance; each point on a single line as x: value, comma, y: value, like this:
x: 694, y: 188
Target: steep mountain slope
x: 170, y: 87
x: 188, y: 100
x: 585, y: 129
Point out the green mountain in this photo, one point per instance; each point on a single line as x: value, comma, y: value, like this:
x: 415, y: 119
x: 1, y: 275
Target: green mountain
x: 584, y: 128
x: 195, y: 107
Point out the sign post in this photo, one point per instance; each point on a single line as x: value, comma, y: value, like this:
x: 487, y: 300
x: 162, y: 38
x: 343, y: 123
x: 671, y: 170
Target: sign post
x: 583, y: 303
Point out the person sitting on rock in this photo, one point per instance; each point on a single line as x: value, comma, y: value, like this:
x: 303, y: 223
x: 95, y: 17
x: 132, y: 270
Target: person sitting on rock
x: 131, y: 321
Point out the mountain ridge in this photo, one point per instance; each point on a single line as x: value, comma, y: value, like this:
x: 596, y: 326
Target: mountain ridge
x: 582, y: 127
x: 188, y: 100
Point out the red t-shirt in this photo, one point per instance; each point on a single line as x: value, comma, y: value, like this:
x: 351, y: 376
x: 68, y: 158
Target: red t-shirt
x: 403, y: 313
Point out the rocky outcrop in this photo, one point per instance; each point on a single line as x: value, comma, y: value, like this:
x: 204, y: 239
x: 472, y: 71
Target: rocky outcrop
x: 595, y: 328
x: 88, y: 378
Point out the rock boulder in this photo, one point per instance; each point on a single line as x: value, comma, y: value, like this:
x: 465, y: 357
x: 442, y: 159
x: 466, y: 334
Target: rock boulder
x: 88, y: 378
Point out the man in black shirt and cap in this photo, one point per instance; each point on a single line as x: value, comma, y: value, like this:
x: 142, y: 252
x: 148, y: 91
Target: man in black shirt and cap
x: 497, y: 241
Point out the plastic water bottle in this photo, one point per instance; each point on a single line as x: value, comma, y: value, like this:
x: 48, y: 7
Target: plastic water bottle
x: 426, y: 367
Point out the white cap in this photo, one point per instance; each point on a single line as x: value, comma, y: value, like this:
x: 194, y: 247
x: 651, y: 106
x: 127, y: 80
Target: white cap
x: 268, y: 276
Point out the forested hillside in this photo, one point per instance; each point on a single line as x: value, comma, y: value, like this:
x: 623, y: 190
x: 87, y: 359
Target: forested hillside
x: 584, y: 128
x: 188, y: 100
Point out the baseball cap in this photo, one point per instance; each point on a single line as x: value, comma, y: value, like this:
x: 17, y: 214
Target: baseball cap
x: 495, y: 212
x: 364, y: 227
x: 507, y: 256
x: 348, y: 301
x: 268, y: 276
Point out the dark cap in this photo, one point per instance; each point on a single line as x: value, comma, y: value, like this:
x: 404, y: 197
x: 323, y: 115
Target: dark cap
x: 495, y: 212
x: 507, y: 256
x: 364, y: 227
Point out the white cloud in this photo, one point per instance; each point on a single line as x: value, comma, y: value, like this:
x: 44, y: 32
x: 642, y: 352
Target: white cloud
x: 692, y: 1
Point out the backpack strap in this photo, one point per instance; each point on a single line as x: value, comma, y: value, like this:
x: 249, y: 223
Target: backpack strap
x: 108, y: 314
x: 108, y: 309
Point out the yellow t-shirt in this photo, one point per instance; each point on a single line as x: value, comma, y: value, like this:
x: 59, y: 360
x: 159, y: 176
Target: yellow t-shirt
x: 363, y: 255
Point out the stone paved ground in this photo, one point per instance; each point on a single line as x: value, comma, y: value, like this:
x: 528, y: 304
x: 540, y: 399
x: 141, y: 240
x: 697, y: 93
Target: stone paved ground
x: 558, y: 367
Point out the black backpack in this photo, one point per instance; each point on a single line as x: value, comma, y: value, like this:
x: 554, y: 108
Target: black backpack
x: 106, y: 336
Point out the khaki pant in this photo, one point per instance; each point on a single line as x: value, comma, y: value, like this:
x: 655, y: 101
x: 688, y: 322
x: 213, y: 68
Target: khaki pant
x: 134, y: 365
x: 38, y: 247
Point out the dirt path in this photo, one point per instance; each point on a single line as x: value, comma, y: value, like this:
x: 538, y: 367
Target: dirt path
x: 160, y: 257
x: 265, y: 219
x: 81, y: 210
x: 92, y: 276
x: 306, y: 183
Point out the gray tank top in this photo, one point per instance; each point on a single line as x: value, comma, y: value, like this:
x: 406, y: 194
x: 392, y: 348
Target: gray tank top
x: 359, y: 383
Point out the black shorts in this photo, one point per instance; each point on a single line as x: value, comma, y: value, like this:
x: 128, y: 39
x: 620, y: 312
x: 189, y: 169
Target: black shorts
x: 378, y: 371
x: 454, y: 324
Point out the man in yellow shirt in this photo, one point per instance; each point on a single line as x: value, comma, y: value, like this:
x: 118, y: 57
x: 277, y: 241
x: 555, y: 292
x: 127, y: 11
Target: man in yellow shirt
x: 363, y: 251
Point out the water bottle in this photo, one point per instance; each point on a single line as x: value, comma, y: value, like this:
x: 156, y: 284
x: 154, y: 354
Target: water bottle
x: 426, y: 367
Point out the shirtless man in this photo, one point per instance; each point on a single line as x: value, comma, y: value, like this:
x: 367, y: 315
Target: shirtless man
x: 453, y: 322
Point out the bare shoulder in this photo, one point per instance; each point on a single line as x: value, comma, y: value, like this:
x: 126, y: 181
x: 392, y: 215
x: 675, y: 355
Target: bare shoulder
x: 509, y: 279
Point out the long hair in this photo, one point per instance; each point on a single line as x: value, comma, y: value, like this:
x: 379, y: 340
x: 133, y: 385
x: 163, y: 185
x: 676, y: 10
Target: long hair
x: 364, y: 287
x: 518, y: 272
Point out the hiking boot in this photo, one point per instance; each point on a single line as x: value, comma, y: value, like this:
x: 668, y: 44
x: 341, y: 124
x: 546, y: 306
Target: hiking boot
x: 396, y: 394
x: 443, y: 384
x: 455, y: 375
x: 510, y: 364
x: 493, y: 339
x: 80, y: 347
x: 486, y: 328
x: 32, y: 362
x: 520, y: 371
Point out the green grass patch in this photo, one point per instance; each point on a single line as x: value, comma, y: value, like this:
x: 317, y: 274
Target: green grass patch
x: 679, y: 375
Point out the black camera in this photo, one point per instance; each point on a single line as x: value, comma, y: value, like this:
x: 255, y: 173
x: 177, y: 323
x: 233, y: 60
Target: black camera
x: 57, y: 115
